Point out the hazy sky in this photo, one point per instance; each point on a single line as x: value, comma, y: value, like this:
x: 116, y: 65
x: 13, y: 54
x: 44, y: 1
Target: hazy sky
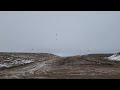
x: 93, y: 30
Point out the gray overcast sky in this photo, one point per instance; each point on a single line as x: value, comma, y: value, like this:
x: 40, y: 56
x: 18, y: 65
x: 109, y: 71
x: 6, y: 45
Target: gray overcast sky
x: 94, y: 30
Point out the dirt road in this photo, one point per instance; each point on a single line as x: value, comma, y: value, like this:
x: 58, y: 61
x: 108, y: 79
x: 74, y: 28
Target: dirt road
x: 49, y: 66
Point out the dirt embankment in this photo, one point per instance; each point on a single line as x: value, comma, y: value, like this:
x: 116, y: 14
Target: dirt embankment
x: 49, y: 66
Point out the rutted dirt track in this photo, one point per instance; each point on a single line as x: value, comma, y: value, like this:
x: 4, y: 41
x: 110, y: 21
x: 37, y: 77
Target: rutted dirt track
x: 49, y: 66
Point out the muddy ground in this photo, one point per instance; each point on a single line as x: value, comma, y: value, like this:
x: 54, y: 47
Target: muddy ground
x: 49, y: 66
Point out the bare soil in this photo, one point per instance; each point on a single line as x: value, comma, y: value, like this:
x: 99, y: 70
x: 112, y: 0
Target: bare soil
x: 49, y: 66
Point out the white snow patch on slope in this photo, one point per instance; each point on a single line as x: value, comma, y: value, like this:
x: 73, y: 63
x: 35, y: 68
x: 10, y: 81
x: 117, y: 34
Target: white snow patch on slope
x: 14, y: 63
x: 115, y: 57
x: 21, y: 61
x: 3, y: 65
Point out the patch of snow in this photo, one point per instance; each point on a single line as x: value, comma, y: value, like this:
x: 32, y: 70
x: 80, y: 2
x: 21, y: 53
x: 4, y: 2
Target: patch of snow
x: 3, y: 65
x: 115, y: 57
x: 14, y: 63
x: 17, y: 62
x: 22, y: 61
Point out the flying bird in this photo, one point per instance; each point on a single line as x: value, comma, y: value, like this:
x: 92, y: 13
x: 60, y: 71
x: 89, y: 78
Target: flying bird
x: 56, y: 35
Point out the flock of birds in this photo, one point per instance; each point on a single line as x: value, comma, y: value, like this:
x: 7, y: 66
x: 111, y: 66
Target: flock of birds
x: 56, y: 39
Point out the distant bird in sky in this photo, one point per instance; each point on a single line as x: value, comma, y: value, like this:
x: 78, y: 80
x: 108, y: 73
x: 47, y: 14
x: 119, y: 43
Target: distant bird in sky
x: 56, y: 35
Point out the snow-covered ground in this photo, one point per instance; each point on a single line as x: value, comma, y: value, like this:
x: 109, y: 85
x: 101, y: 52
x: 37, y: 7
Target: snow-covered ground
x: 3, y: 65
x: 14, y: 63
x: 115, y: 57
